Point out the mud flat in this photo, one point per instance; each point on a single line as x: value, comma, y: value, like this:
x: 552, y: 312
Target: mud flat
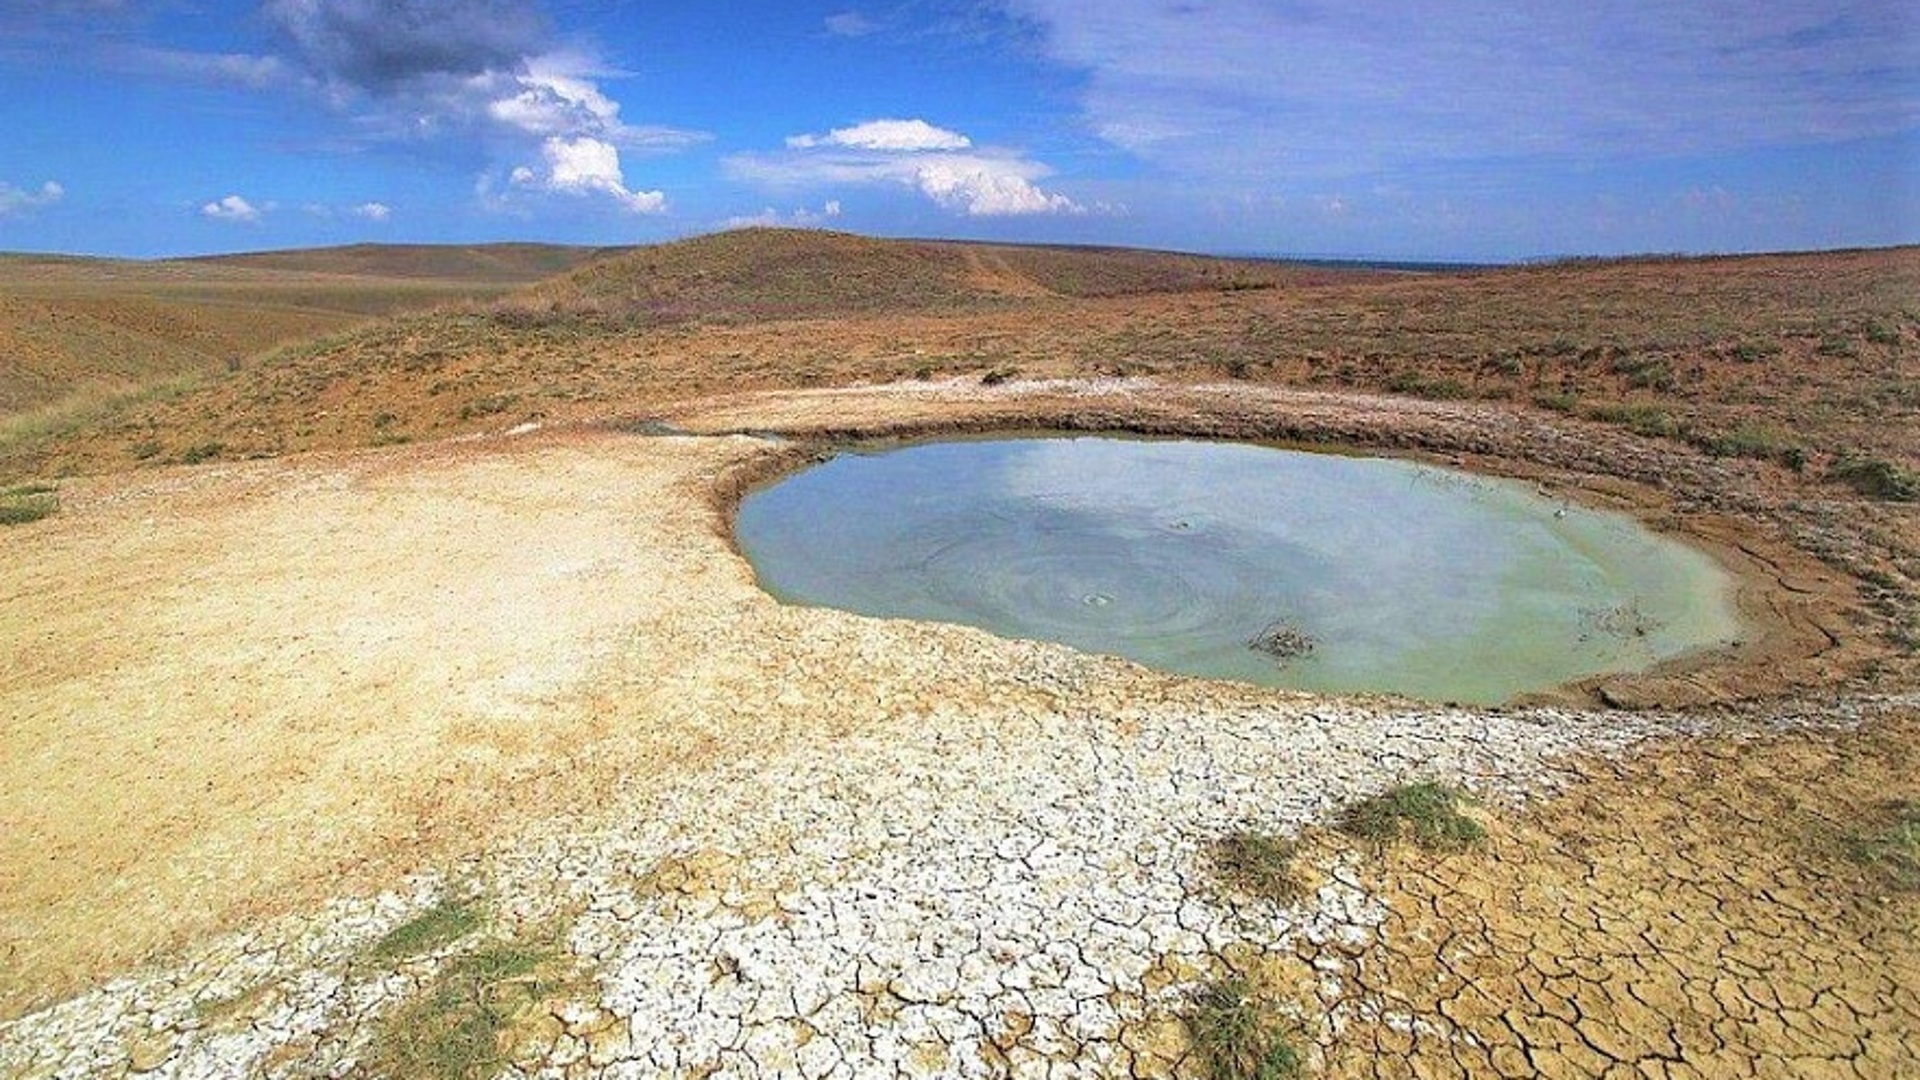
x: 291, y: 743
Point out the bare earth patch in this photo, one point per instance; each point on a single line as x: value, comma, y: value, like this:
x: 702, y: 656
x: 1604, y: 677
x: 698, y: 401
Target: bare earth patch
x: 261, y: 715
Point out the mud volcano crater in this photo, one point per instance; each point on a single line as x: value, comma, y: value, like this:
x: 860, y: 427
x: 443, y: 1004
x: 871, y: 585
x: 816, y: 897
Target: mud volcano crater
x: 1283, y: 568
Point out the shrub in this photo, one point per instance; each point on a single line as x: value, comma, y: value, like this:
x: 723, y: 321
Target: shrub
x: 1418, y: 385
x: 1749, y: 440
x: 1752, y: 352
x: 1892, y: 851
x: 27, y: 503
x: 1876, y: 478
x: 1645, y: 372
x: 460, y: 1025
x: 1649, y: 420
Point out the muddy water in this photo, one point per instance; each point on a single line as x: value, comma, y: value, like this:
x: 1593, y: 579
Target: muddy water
x: 1231, y: 561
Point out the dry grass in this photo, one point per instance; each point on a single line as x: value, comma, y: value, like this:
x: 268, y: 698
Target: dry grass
x: 1708, y: 351
x: 88, y: 339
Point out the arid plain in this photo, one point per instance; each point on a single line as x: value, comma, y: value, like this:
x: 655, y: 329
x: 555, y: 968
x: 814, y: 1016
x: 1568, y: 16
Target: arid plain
x: 383, y: 693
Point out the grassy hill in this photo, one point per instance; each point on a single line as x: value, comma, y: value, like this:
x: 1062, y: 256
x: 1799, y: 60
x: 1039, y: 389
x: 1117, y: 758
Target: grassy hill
x: 1711, y: 351
x: 82, y: 337
x: 501, y: 264
x: 761, y: 274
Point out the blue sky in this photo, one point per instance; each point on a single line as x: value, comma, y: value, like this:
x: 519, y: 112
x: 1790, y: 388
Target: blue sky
x: 1465, y: 129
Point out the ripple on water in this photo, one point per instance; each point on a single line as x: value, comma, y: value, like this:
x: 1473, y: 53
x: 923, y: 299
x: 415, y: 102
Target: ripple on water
x: 1184, y: 555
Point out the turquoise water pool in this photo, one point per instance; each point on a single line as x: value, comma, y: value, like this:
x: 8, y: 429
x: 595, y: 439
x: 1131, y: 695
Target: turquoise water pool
x: 1234, y: 561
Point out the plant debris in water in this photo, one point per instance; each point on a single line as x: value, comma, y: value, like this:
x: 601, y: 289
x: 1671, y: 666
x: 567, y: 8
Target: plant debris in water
x: 1623, y: 621
x: 1283, y: 641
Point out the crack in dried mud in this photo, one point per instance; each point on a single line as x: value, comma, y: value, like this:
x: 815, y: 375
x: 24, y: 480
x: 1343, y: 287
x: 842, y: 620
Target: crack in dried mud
x: 789, y: 841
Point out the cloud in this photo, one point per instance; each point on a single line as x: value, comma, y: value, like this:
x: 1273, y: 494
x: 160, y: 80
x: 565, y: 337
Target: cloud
x: 231, y: 208
x: 235, y: 69
x: 850, y: 24
x: 942, y: 165
x: 487, y: 73
x: 586, y: 166
x: 379, y: 46
x: 372, y: 211
x: 1252, y: 90
x: 557, y: 94
x: 906, y: 135
x: 801, y: 218
x: 14, y: 200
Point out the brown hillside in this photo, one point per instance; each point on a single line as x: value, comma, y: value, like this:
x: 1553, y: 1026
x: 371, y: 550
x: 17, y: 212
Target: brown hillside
x: 81, y: 337
x: 1801, y: 360
x: 505, y: 264
x: 760, y: 274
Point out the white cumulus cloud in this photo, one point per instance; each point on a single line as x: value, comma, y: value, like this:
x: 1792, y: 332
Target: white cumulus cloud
x: 560, y: 94
x: 943, y: 165
x: 891, y: 135
x: 231, y: 208
x: 13, y: 200
x: 372, y: 211
x: 988, y: 187
x: 586, y: 166
x: 802, y: 218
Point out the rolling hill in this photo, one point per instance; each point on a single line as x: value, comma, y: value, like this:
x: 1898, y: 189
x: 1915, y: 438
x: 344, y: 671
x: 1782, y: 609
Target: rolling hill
x: 759, y: 274
x: 1699, y: 350
x: 81, y: 337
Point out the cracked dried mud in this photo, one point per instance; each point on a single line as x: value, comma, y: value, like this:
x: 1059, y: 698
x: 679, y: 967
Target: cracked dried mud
x: 263, y: 714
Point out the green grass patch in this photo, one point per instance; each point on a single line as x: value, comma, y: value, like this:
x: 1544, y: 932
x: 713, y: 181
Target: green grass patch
x: 1649, y: 420
x: 1259, y: 863
x: 1415, y: 384
x: 1564, y: 401
x: 1876, y: 478
x: 206, y: 451
x: 1837, y: 348
x: 442, y: 924
x: 27, y: 503
x: 1752, y: 352
x: 1880, y: 333
x: 1758, y: 441
x: 1236, y: 1038
x: 1645, y: 372
x: 1427, y: 812
x: 461, y: 1026
x: 491, y: 405
x: 1890, y: 848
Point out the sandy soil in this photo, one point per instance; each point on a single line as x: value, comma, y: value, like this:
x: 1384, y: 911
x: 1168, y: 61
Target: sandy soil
x: 227, y: 688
